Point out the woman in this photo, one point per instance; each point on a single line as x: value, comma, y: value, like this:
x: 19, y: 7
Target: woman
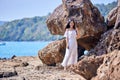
x: 71, y: 45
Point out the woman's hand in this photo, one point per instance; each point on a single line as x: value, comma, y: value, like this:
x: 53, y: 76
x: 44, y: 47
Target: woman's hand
x: 67, y: 46
x: 78, y: 34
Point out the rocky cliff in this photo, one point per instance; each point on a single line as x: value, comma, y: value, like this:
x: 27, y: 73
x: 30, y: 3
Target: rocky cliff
x: 110, y: 40
x: 105, y: 67
x: 110, y: 68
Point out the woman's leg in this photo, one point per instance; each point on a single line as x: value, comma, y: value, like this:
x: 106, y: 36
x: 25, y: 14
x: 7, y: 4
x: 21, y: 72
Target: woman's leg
x: 74, y: 56
x: 66, y: 58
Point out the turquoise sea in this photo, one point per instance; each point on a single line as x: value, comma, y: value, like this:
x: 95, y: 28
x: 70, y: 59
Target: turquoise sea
x: 21, y: 48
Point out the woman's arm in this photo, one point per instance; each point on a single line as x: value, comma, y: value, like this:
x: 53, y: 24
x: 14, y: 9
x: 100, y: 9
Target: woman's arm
x: 67, y: 46
x: 78, y: 34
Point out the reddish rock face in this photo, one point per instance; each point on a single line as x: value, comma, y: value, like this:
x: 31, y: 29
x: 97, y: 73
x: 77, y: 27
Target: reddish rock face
x: 110, y: 40
x: 105, y: 67
x: 110, y: 69
x: 89, y: 21
x: 88, y: 66
x: 111, y: 18
x: 117, y: 24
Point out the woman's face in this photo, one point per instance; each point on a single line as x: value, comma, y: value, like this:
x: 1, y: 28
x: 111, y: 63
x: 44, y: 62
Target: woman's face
x: 71, y: 24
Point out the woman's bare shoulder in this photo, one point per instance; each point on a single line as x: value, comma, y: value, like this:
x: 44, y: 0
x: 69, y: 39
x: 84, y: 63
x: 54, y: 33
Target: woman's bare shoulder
x: 67, y: 29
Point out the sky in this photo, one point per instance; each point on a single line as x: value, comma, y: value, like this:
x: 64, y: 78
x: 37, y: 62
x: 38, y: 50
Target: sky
x: 18, y: 9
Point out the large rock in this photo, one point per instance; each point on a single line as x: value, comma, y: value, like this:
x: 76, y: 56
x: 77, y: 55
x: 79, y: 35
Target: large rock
x: 115, y: 40
x: 109, y: 42
x: 105, y: 67
x: 88, y: 66
x: 110, y: 69
x: 88, y: 19
x: 117, y: 24
x: 53, y: 53
x: 111, y: 18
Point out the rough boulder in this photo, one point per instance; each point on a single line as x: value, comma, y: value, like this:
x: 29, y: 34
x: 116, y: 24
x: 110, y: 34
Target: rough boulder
x: 88, y: 19
x: 110, y: 69
x: 53, y: 53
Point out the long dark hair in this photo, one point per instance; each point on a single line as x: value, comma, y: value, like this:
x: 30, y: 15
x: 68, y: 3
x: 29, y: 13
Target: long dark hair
x: 68, y: 25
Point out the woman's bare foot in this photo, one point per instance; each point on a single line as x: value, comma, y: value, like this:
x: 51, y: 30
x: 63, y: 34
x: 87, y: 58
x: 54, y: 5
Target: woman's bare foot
x: 65, y: 68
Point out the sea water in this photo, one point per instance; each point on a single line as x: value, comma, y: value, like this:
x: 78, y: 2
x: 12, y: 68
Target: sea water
x: 21, y: 48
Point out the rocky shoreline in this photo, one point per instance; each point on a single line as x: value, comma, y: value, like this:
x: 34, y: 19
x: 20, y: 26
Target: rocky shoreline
x: 31, y: 68
x: 88, y: 68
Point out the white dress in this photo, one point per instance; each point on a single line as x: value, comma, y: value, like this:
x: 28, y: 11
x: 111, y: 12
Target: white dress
x: 71, y: 53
